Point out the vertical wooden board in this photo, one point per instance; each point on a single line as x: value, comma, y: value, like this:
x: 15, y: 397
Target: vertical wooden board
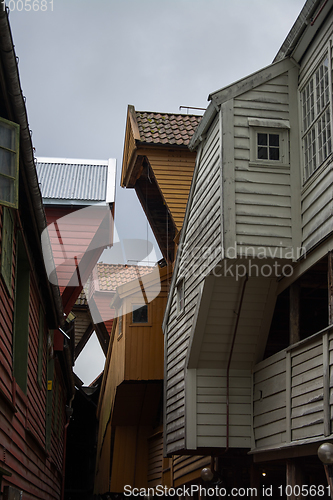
x: 173, y: 171
x: 102, y: 474
x: 129, y: 461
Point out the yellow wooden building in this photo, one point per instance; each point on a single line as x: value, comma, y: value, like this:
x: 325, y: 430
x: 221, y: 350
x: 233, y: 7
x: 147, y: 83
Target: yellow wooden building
x: 159, y: 166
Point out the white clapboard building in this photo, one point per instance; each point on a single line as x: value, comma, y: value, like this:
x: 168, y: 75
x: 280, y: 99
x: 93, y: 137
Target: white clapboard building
x: 248, y: 341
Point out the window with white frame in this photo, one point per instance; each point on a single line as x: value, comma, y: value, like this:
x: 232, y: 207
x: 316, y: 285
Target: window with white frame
x: 269, y: 142
x: 9, y: 163
x: 316, y: 118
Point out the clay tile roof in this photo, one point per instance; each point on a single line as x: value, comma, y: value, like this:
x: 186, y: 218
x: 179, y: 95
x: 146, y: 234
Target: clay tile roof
x: 82, y: 299
x: 165, y: 128
x: 110, y: 276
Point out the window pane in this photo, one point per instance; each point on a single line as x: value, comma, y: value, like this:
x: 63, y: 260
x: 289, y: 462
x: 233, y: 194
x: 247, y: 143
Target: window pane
x: 262, y: 153
x: 262, y: 139
x: 7, y: 163
x: 7, y: 190
x: 140, y: 314
x: 274, y: 140
x: 274, y: 154
x: 7, y: 136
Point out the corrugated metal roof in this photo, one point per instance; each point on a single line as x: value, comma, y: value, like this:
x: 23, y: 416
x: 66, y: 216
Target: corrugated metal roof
x: 73, y: 180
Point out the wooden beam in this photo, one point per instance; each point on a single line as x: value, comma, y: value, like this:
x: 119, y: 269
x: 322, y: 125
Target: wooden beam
x: 103, y: 337
x: 294, y: 477
x: 84, y: 340
x: 294, y: 315
x: 255, y: 480
x: 329, y: 478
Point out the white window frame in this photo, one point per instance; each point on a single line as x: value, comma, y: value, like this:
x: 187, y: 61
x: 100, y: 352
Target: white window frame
x: 269, y: 126
x: 11, y: 178
x: 316, y: 116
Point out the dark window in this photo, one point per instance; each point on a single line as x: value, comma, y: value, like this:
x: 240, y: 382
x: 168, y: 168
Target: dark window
x: 140, y: 314
x: 268, y: 146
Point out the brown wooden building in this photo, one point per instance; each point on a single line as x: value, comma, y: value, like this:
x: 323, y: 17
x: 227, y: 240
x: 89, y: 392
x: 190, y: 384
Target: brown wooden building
x: 35, y: 381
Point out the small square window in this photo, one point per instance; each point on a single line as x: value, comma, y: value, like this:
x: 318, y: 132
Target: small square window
x: 139, y: 313
x: 269, y: 142
x: 181, y: 296
x: 268, y: 146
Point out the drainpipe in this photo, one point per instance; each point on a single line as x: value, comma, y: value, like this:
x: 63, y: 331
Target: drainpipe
x: 68, y: 413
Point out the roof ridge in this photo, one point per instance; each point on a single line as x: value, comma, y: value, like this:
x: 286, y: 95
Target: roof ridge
x: 169, y: 113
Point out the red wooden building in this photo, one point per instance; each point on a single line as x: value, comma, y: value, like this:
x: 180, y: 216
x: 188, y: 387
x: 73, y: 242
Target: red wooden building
x: 36, y: 382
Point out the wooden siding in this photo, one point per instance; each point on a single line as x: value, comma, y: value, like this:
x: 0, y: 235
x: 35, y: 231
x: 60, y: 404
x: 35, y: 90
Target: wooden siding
x: 155, y: 459
x: 23, y: 416
x: 129, y: 145
x: 200, y: 253
x: 173, y: 171
x: 292, y: 394
x: 269, y: 401
x: 144, y: 344
x: 187, y: 468
x: 82, y: 322
x: 317, y: 207
x: 130, y: 458
x: 212, y: 409
x: 262, y: 192
x: 129, y: 396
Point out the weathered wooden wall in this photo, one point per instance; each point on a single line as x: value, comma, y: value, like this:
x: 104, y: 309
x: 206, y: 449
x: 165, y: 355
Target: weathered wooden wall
x: 262, y: 193
x: 203, y: 233
x: 144, y: 344
x: 173, y: 171
x: 155, y: 458
x: 292, y: 394
x: 35, y: 469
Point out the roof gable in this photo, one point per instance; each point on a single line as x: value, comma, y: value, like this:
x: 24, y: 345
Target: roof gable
x: 234, y: 90
x: 304, y: 29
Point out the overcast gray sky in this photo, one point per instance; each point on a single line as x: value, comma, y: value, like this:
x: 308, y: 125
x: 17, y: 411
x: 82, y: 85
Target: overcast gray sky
x: 84, y: 62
